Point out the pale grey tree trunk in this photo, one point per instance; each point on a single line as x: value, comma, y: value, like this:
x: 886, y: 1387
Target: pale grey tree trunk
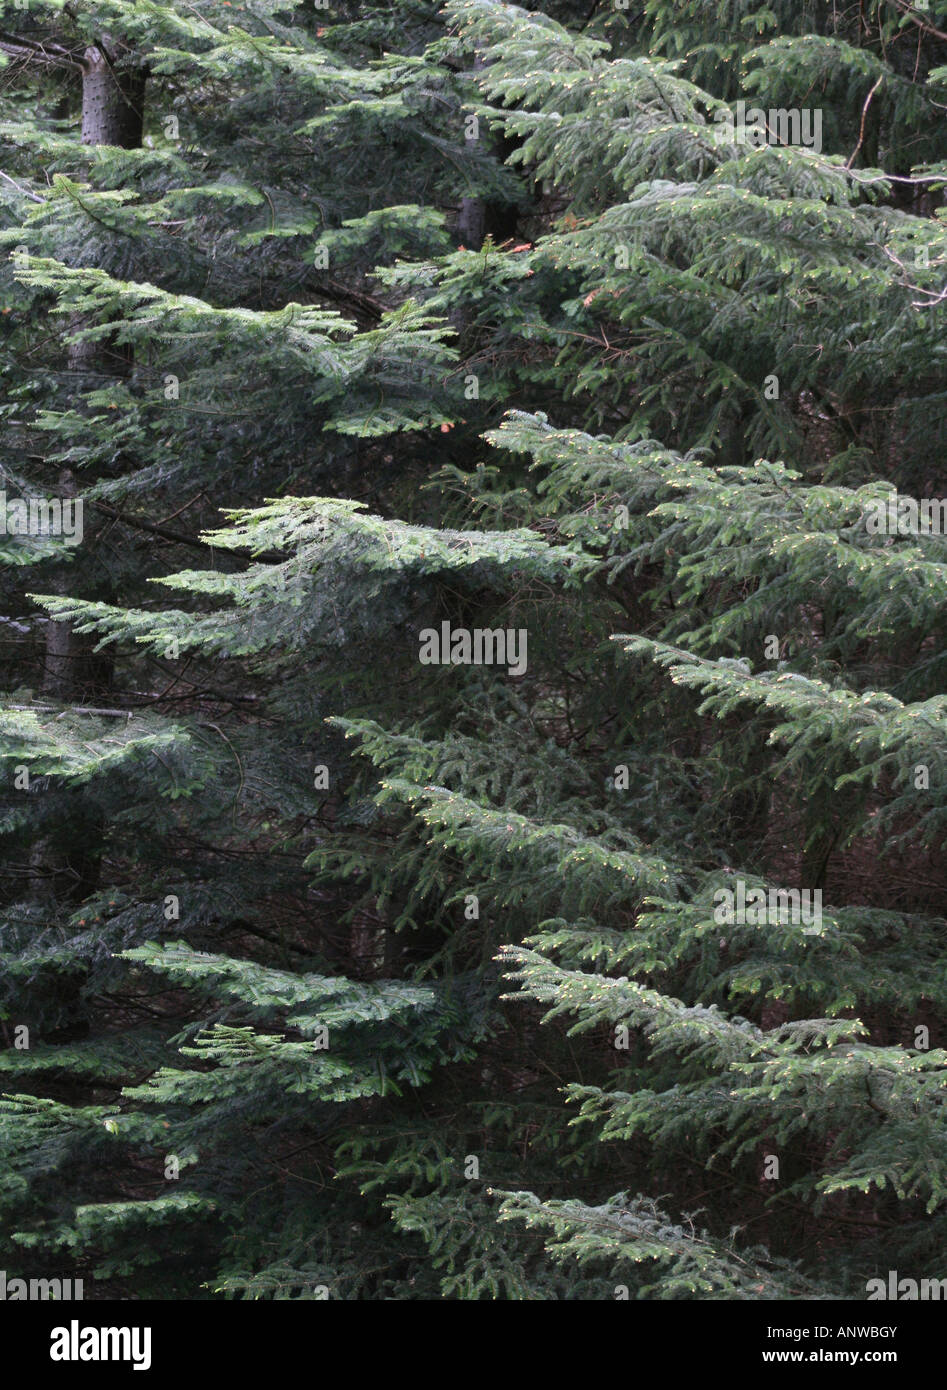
x: 472, y: 218
x: 113, y: 99
x: 112, y: 114
x: 66, y: 862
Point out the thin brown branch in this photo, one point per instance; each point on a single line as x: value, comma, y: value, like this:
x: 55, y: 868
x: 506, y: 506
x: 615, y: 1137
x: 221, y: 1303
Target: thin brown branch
x: 166, y: 532
x: 919, y: 20
x: 861, y: 132
x: 34, y: 51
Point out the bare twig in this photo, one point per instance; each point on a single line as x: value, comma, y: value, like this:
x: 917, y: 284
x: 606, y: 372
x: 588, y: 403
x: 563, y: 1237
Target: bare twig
x: 272, y: 557
x: 861, y: 132
x: 33, y: 51
x: 25, y: 191
x: 919, y: 20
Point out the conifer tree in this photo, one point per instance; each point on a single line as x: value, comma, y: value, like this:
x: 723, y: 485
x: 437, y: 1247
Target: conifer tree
x: 606, y: 965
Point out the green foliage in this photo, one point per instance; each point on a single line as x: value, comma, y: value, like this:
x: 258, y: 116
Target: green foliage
x: 328, y: 972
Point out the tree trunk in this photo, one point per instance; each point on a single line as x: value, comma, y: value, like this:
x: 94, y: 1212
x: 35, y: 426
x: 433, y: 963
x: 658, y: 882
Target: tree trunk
x: 67, y: 861
x: 113, y: 102
x: 112, y: 114
x: 478, y: 218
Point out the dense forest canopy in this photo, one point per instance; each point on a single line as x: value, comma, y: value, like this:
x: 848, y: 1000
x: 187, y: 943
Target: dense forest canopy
x: 474, y: 714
